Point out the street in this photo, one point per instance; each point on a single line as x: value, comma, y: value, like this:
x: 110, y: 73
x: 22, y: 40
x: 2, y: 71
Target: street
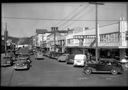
x: 49, y: 72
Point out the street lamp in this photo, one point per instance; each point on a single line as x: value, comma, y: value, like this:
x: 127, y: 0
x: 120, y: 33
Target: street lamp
x: 96, y: 6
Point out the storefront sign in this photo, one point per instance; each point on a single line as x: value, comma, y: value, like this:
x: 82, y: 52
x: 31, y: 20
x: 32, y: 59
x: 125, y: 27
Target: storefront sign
x: 78, y: 37
x: 111, y: 37
x: 84, y: 36
x: 126, y: 35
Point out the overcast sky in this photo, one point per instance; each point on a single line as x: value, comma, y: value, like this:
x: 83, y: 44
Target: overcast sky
x: 46, y: 12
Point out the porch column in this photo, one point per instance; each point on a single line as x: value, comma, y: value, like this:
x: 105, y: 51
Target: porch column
x: 122, y: 53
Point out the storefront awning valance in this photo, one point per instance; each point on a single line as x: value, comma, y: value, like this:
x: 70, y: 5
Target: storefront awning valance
x: 83, y: 36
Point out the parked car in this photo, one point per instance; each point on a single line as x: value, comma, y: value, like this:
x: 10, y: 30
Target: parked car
x: 79, y: 60
x: 104, y: 65
x: 31, y: 52
x: 21, y: 65
x: 63, y: 58
x: 47, y: 54
x: 6, y: 61
x: 51, y: 54
x: 57, y: 55
x: 124, y: 62
x: 24, y: 56
x: 70, y: 59
x: 39, y: 55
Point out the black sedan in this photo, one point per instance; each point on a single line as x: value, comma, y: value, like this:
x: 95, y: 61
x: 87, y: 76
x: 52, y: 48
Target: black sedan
x: 70, y: 59
x: 104, y: 65
x: 24, y: 56
x: 6, y: 61
x: 21, y: 65
x: 39, y: 56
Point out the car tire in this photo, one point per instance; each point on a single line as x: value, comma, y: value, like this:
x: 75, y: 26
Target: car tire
x: 114, y: 71
x: 67, y: 62
x: 28, y: 68
x: 16, y: 70
x: 88, y: 71
x: 74, y: 65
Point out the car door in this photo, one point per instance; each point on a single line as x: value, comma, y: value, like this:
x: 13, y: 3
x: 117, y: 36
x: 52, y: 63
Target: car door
x: 108, y: 66
x: 100, y: 66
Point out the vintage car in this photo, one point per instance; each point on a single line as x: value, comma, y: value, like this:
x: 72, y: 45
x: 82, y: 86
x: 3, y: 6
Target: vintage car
x: 31, y: 52
x: 124, y: 62
x: 63, y: 58
x: 39, y: 56
x: 104, y: 65
x: 70, y: 59
x: 46, y: 54
x: 21, y: 65
x: 6, y: 61
x: 79, y: 60
x: 25, y: 57
x: 55, y: 55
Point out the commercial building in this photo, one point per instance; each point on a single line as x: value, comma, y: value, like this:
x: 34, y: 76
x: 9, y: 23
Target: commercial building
x: 59, y: 42
x: 112, y: 40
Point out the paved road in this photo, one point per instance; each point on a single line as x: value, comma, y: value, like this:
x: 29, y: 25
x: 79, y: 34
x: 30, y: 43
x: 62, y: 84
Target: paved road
x: 49, y: 72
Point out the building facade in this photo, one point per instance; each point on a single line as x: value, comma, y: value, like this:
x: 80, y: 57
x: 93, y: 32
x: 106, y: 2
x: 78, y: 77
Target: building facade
x: 58, y: 44
x: 110, y: 37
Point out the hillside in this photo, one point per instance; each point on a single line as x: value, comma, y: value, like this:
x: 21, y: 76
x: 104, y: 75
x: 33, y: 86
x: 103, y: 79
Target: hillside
x: 26, y: 40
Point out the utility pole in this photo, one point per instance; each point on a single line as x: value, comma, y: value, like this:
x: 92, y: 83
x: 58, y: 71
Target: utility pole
x: 96, y: 25
x: 127, y: 11
x: 5, y: 38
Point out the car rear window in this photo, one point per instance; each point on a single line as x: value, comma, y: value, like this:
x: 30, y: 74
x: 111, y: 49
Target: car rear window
x: 71, y: 56
x: 80, y: 56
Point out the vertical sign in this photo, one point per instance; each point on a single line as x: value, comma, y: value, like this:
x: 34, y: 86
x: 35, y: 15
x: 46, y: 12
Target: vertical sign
x: 123, y: 29
x: 126, y: 35
x: 98, y: 35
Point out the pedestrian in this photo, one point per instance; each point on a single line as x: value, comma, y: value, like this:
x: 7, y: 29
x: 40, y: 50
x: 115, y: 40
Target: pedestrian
x: 88, y: 56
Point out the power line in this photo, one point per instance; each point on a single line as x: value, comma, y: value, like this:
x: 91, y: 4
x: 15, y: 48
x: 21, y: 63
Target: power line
x: 77, y: 18
x: 45, y: 4
x: 75, y: 15
x: 69, y: 14
x: 50, y: 19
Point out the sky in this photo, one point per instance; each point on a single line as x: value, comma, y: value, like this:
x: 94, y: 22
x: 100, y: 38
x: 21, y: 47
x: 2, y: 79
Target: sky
x: 31, y: 16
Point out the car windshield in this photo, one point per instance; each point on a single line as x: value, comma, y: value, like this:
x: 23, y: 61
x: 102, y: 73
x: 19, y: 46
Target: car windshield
x: 71, y: 56
x: 79, y: 56
x: 6, y: 57
x: 108, y: 62
x: 20, y: 61
x: 64, y: 54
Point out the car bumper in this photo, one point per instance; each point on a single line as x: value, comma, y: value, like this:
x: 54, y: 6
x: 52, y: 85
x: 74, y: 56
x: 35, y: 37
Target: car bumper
x: 6, y: 64
x: 62, y: 60
x: 20, y: 67
x: 78, y: 63
x: 70, y: 61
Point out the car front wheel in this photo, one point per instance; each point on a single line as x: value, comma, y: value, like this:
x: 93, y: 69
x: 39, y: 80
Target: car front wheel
x: 88, y: 71
x: 114, y: 71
